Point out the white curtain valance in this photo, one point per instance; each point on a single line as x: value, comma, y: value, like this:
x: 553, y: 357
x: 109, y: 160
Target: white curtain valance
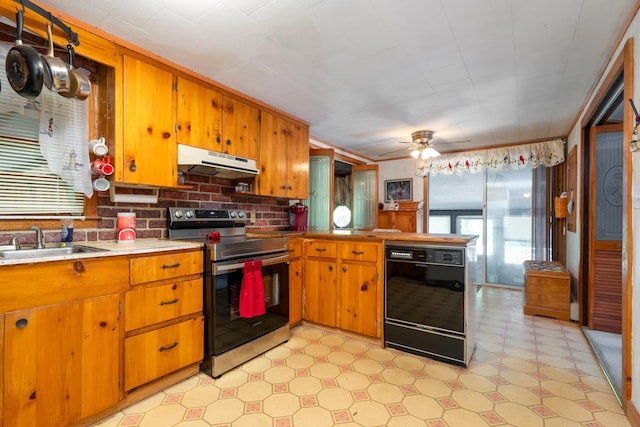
x: 547, y: 153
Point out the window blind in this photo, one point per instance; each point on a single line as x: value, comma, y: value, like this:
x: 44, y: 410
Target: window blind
x: 27, y: 186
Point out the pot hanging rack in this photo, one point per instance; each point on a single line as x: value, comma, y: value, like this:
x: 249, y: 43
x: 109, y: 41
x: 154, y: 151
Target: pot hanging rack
x: 71, y: 35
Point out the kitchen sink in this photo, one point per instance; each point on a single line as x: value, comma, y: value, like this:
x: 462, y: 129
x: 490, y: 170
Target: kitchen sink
x: 46, y: 252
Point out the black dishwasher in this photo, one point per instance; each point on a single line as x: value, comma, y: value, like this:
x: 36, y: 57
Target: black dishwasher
x: 427, y: 302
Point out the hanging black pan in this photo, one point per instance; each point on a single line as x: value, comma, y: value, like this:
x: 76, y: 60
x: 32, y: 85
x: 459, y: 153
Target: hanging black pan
x: 25, y: 71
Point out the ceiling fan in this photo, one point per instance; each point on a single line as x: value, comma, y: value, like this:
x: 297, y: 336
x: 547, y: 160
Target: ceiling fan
x: 422, y: 145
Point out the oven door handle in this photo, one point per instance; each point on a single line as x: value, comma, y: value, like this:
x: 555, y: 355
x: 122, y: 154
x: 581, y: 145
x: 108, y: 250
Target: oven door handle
x: 239, y: 265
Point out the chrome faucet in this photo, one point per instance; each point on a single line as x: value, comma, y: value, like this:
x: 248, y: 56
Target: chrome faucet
x: 39, y: 236
x: 14, y: 243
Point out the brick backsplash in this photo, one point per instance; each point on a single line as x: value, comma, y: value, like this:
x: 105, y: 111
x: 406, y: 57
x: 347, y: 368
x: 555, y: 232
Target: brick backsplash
x: 205, y: 192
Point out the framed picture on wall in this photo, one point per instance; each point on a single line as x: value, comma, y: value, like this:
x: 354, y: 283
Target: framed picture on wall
x: 398, y: 189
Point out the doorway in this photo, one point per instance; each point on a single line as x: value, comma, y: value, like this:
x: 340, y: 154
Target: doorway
x: 604, y: 286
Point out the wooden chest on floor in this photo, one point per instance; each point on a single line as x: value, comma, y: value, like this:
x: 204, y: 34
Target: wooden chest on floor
x: 547, y: 289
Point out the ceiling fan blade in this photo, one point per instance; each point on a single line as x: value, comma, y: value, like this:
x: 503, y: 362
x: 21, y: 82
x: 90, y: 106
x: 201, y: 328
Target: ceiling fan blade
x: 394, y: 151
x: 445, y: 142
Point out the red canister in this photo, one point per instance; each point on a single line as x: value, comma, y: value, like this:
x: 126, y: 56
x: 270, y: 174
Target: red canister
x: 126, y: 227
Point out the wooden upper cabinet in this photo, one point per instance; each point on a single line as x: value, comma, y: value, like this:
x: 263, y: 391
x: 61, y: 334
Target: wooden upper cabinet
x: 284, y: 157
x: 240, y: 129
x: 149, y: 150
x: 199, y: 115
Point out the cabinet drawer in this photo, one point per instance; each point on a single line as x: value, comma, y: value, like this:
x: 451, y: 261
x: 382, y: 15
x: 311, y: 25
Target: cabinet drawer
x: 35, y: 285
x: 168, y: 266
x: 143, y: 307
x: 156, y: 353
x: 321, y: 249
x: 359, y: 251
x: 294, y: 247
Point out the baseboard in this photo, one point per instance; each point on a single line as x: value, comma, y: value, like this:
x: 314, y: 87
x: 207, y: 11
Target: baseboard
x: 632, y: 414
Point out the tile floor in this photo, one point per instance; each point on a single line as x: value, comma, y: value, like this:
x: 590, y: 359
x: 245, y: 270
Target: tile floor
x: 526, y: 371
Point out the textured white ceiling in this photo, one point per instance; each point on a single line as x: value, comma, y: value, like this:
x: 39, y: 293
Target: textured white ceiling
x: 367, y: 73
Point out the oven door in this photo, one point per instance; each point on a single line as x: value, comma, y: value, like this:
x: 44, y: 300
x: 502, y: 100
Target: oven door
x: 226, y: 329
x: 425, y: 295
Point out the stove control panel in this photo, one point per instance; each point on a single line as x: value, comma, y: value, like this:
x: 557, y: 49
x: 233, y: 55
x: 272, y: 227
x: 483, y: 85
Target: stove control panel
x: 185, y: 215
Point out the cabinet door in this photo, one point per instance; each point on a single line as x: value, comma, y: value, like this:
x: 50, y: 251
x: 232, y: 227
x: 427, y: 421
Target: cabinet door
x: 284, y: 157
x: 358, y: 289
x: 320, y: 292
x: 406, y: 221
x: 295, y: 291
x: 199, y: 115
x: 61, y: 362
x: 385, y: 220
x: 240, y: 129
x: 149, y: 154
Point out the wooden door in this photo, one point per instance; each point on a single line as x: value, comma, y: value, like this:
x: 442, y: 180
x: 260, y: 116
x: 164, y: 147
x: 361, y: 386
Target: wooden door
x: 358, y: 290
x: 150, y: 152
x: 240, y: 128
x: 199, y: 114
x: 364, y: 197
x: 320, y: 291
x: 320, y: 201
x: 61, y: 362
x: 605, y: 235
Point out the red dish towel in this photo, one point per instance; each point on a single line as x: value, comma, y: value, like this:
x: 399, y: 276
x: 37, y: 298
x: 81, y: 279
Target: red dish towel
x: 247, y: 291
x: 252, y: 291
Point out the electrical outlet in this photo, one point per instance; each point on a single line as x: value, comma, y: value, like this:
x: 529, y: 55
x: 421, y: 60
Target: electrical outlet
x: 252, y: 217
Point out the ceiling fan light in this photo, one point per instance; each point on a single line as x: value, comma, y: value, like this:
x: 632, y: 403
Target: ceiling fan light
x: 429, y: 152
x: 415, y: 153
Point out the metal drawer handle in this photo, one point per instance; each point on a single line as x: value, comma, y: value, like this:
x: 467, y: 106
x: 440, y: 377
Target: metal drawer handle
x: 321, y: 249
x: 168, y: 347
x: 78, y: 267
x: 291, y: 250
x: 176, y: 265
x: 173, y: 301
x: 21, y: 323
x: 357, y: 252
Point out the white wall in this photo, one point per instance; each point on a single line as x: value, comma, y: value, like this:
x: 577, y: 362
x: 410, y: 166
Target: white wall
x: 573, y: 240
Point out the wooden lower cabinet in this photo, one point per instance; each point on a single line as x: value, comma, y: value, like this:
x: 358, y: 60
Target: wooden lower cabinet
x: 164, y: 326
x: 358, y: 298
x: 342, y: 285
x: 158, y: 352
x: 61, y: 362
x: 320, y: 278
x: 80, y: 335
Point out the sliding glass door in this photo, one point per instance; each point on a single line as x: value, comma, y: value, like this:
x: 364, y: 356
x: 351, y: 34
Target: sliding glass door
x: 496, y: 206
x: 509, y: 225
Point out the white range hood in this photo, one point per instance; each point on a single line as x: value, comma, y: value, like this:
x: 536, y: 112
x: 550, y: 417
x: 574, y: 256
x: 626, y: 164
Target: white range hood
x: 205, y: 162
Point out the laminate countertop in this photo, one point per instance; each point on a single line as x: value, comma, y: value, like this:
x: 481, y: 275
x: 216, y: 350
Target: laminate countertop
x: 374, y: 235
x: 109, y: 248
